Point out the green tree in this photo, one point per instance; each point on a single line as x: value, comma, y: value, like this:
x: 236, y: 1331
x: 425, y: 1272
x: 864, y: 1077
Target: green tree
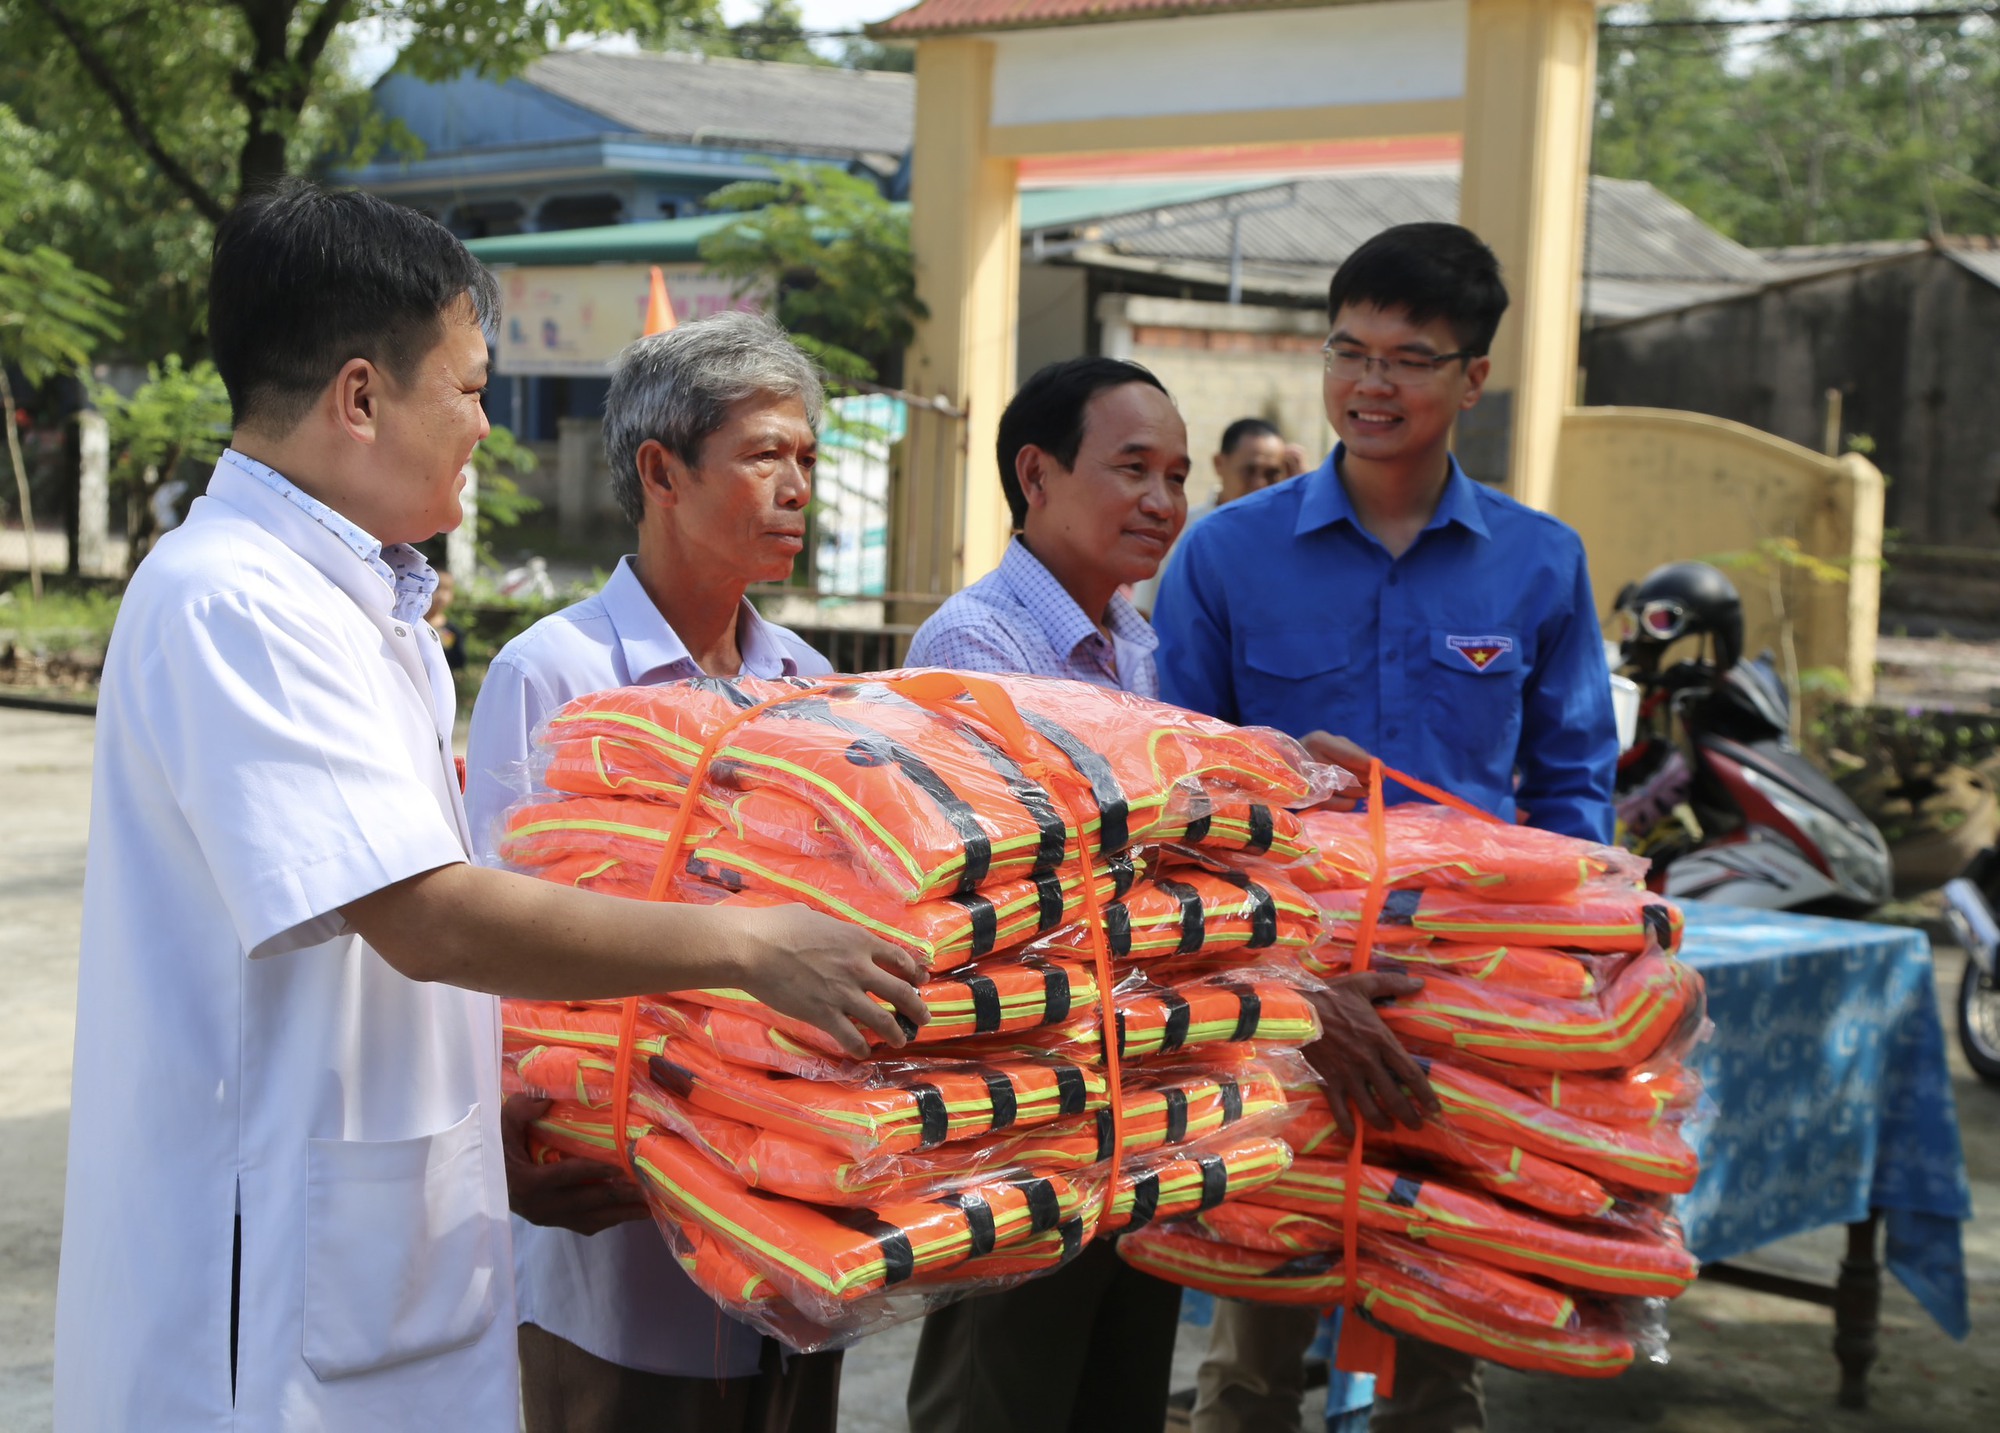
x: 1808, y: 133
x: 157, y: 113
x: 52, y: 314
x: 776, y: 32
x: 835, y: 256
x: 178, y: 415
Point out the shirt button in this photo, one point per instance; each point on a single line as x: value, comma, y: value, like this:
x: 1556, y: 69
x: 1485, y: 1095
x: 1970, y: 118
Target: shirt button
x: 1394, y: 578
x: 1392, y: 731
x: 402, y: 632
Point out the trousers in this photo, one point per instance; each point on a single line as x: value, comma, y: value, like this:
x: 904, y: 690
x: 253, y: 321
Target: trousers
x: 1254, y: 1377
x: 565, y: 1389
x: 1087, y: 1349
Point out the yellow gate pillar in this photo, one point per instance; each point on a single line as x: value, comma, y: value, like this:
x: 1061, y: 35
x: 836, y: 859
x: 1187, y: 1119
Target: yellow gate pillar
x: 965, y: 229
x: 1531, y: 71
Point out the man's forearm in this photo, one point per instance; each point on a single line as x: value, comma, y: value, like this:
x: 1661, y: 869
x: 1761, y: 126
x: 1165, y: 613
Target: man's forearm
x: 512, y: 935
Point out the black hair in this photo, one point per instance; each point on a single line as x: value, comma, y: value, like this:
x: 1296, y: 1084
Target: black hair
x: 1047, y: 413
x: 304, y: 279
x: 1429, y: 271
x: 1248, y: 428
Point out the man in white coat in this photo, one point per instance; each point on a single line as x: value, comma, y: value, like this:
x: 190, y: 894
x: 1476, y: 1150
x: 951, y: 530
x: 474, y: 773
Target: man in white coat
x: 285, y: 1204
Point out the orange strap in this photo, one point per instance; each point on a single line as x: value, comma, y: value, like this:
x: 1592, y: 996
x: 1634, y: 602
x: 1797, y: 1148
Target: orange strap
x: 1365, y: 1348
x: 937, y: 691
x: 671, y: 862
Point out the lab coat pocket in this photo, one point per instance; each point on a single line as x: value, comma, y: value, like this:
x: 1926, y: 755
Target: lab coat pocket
x: 402, y: 1249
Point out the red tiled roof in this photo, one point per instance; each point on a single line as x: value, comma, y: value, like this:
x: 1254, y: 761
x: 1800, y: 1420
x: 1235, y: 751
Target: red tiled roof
x: 946, y: 17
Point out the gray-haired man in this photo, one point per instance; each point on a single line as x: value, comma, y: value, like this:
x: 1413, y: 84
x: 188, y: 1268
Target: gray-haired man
x: 710, y: 433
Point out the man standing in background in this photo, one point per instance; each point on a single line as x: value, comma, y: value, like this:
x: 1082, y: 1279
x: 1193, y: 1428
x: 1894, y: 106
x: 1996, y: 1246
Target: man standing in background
x: 1253, y: 456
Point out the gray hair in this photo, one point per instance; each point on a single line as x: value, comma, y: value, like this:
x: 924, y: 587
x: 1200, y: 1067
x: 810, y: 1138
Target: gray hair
x: 677, y: 388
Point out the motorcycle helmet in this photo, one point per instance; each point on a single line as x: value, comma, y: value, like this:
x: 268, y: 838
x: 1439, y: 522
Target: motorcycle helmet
x: 1682, y: 599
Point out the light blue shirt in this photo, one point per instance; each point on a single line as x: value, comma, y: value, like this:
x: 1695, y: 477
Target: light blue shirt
x: 618, y: 1294
x: 1018, y: 618
x: 1473, y: 657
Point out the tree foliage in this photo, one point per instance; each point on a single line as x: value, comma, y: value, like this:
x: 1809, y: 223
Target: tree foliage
x: 52, y: 313
x: 836, y: 257
x: 155, y: 114
x: 1807, y: 133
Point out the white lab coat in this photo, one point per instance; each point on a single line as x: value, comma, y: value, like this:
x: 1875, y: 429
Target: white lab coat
x: 272, y: 743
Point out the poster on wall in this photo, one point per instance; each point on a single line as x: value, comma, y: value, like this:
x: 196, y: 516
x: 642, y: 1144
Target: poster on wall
x: 571, y: 321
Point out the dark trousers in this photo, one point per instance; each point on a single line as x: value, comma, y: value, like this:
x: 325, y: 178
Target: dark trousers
x: 1087, y: 1349
x: 566, y: 1390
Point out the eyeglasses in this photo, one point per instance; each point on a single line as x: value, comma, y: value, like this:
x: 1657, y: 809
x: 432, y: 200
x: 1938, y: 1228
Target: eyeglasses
x: 1351, y: 364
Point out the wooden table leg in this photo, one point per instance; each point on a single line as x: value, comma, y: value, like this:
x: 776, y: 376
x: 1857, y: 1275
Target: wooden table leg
x: 1857, y: 1311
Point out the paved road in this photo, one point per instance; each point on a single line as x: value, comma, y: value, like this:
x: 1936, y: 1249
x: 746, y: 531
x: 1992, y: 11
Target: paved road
x: 1742, y: 1362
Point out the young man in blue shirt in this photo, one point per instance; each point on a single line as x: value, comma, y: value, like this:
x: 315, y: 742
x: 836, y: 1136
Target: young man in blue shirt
x: 1438, y: 624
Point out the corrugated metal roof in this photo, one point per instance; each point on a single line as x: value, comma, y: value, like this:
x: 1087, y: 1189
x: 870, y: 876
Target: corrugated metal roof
x: 668, y: 241
x: 1984, y: 262
x: 754, y: 103
x: 948, y: 17
x: 1635, y: 232
x: 1797, y: 259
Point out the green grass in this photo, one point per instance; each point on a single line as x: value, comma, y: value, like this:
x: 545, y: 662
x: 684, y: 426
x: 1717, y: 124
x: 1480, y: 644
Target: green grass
x: 66, y: 622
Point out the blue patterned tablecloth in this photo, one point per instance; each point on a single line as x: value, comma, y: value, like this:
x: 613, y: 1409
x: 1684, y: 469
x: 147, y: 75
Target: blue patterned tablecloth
x: 1831, y: 1093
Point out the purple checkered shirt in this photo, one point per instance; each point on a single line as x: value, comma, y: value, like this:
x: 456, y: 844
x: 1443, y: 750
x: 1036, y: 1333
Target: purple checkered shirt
x: 1018, y: 618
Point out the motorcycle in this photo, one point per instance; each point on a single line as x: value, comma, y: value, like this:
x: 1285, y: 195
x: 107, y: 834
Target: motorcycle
x: 1970, y: 902
x: 1712, y: 788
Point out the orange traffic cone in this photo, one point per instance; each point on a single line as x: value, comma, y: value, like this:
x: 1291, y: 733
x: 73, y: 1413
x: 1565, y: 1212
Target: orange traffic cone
x: 659, y: 309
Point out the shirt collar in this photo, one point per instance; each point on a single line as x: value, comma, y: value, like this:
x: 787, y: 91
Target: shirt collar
x: 1325, y: 500
x: 1063, y: 621
x: 653, y: 650
x: 401, y: 567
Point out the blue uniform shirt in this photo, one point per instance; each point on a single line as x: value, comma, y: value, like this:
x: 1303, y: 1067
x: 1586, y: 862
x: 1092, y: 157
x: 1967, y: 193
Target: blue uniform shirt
x: 1473, y: 656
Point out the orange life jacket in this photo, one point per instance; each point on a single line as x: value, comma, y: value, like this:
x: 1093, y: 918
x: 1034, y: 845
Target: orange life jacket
x: 1183, y: 910
x: 1479, y: 1288
x: 1386, y: 1295
x: 822, y: 1258
x: 1654, y: 999
x: 1518, y: 969
x: 1605, y: 1258
x: 1186, y: 1181
x: 1603, y: 916
x: 933, y: 804
x: 614, y: 847
x: 1004, y: 993
x: 1435, y: 848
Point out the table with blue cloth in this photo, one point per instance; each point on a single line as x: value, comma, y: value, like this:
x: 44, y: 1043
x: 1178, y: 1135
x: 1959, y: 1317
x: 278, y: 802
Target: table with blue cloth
x: 1833, y: 1105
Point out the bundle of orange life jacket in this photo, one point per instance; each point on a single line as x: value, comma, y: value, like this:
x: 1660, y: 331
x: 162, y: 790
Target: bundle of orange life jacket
x: 1526, y: 1224
x: 817, y: 1195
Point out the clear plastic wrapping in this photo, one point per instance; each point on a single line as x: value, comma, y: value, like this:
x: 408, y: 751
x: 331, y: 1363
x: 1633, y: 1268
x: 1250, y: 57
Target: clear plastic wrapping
x: 1604, y: 916
x: 922, y: 802
x: 1435, y: 848
x: 1652, y: 1008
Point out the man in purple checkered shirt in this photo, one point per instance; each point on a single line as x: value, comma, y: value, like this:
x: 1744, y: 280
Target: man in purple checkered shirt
x: 1093, y: 456
x: 1093, y: 459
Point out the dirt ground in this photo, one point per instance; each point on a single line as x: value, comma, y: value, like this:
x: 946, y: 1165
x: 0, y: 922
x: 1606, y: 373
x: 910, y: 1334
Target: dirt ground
x: 1741, y: 1362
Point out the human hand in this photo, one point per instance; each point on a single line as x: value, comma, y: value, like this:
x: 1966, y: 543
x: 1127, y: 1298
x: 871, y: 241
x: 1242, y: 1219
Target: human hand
x: 1361, y: 1060
x: 1330, y: 750
x: 833, y: 975
x: 580, y: 1195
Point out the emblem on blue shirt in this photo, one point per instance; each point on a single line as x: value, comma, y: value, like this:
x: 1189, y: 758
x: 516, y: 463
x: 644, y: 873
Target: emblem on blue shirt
x: 1480, y: 651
